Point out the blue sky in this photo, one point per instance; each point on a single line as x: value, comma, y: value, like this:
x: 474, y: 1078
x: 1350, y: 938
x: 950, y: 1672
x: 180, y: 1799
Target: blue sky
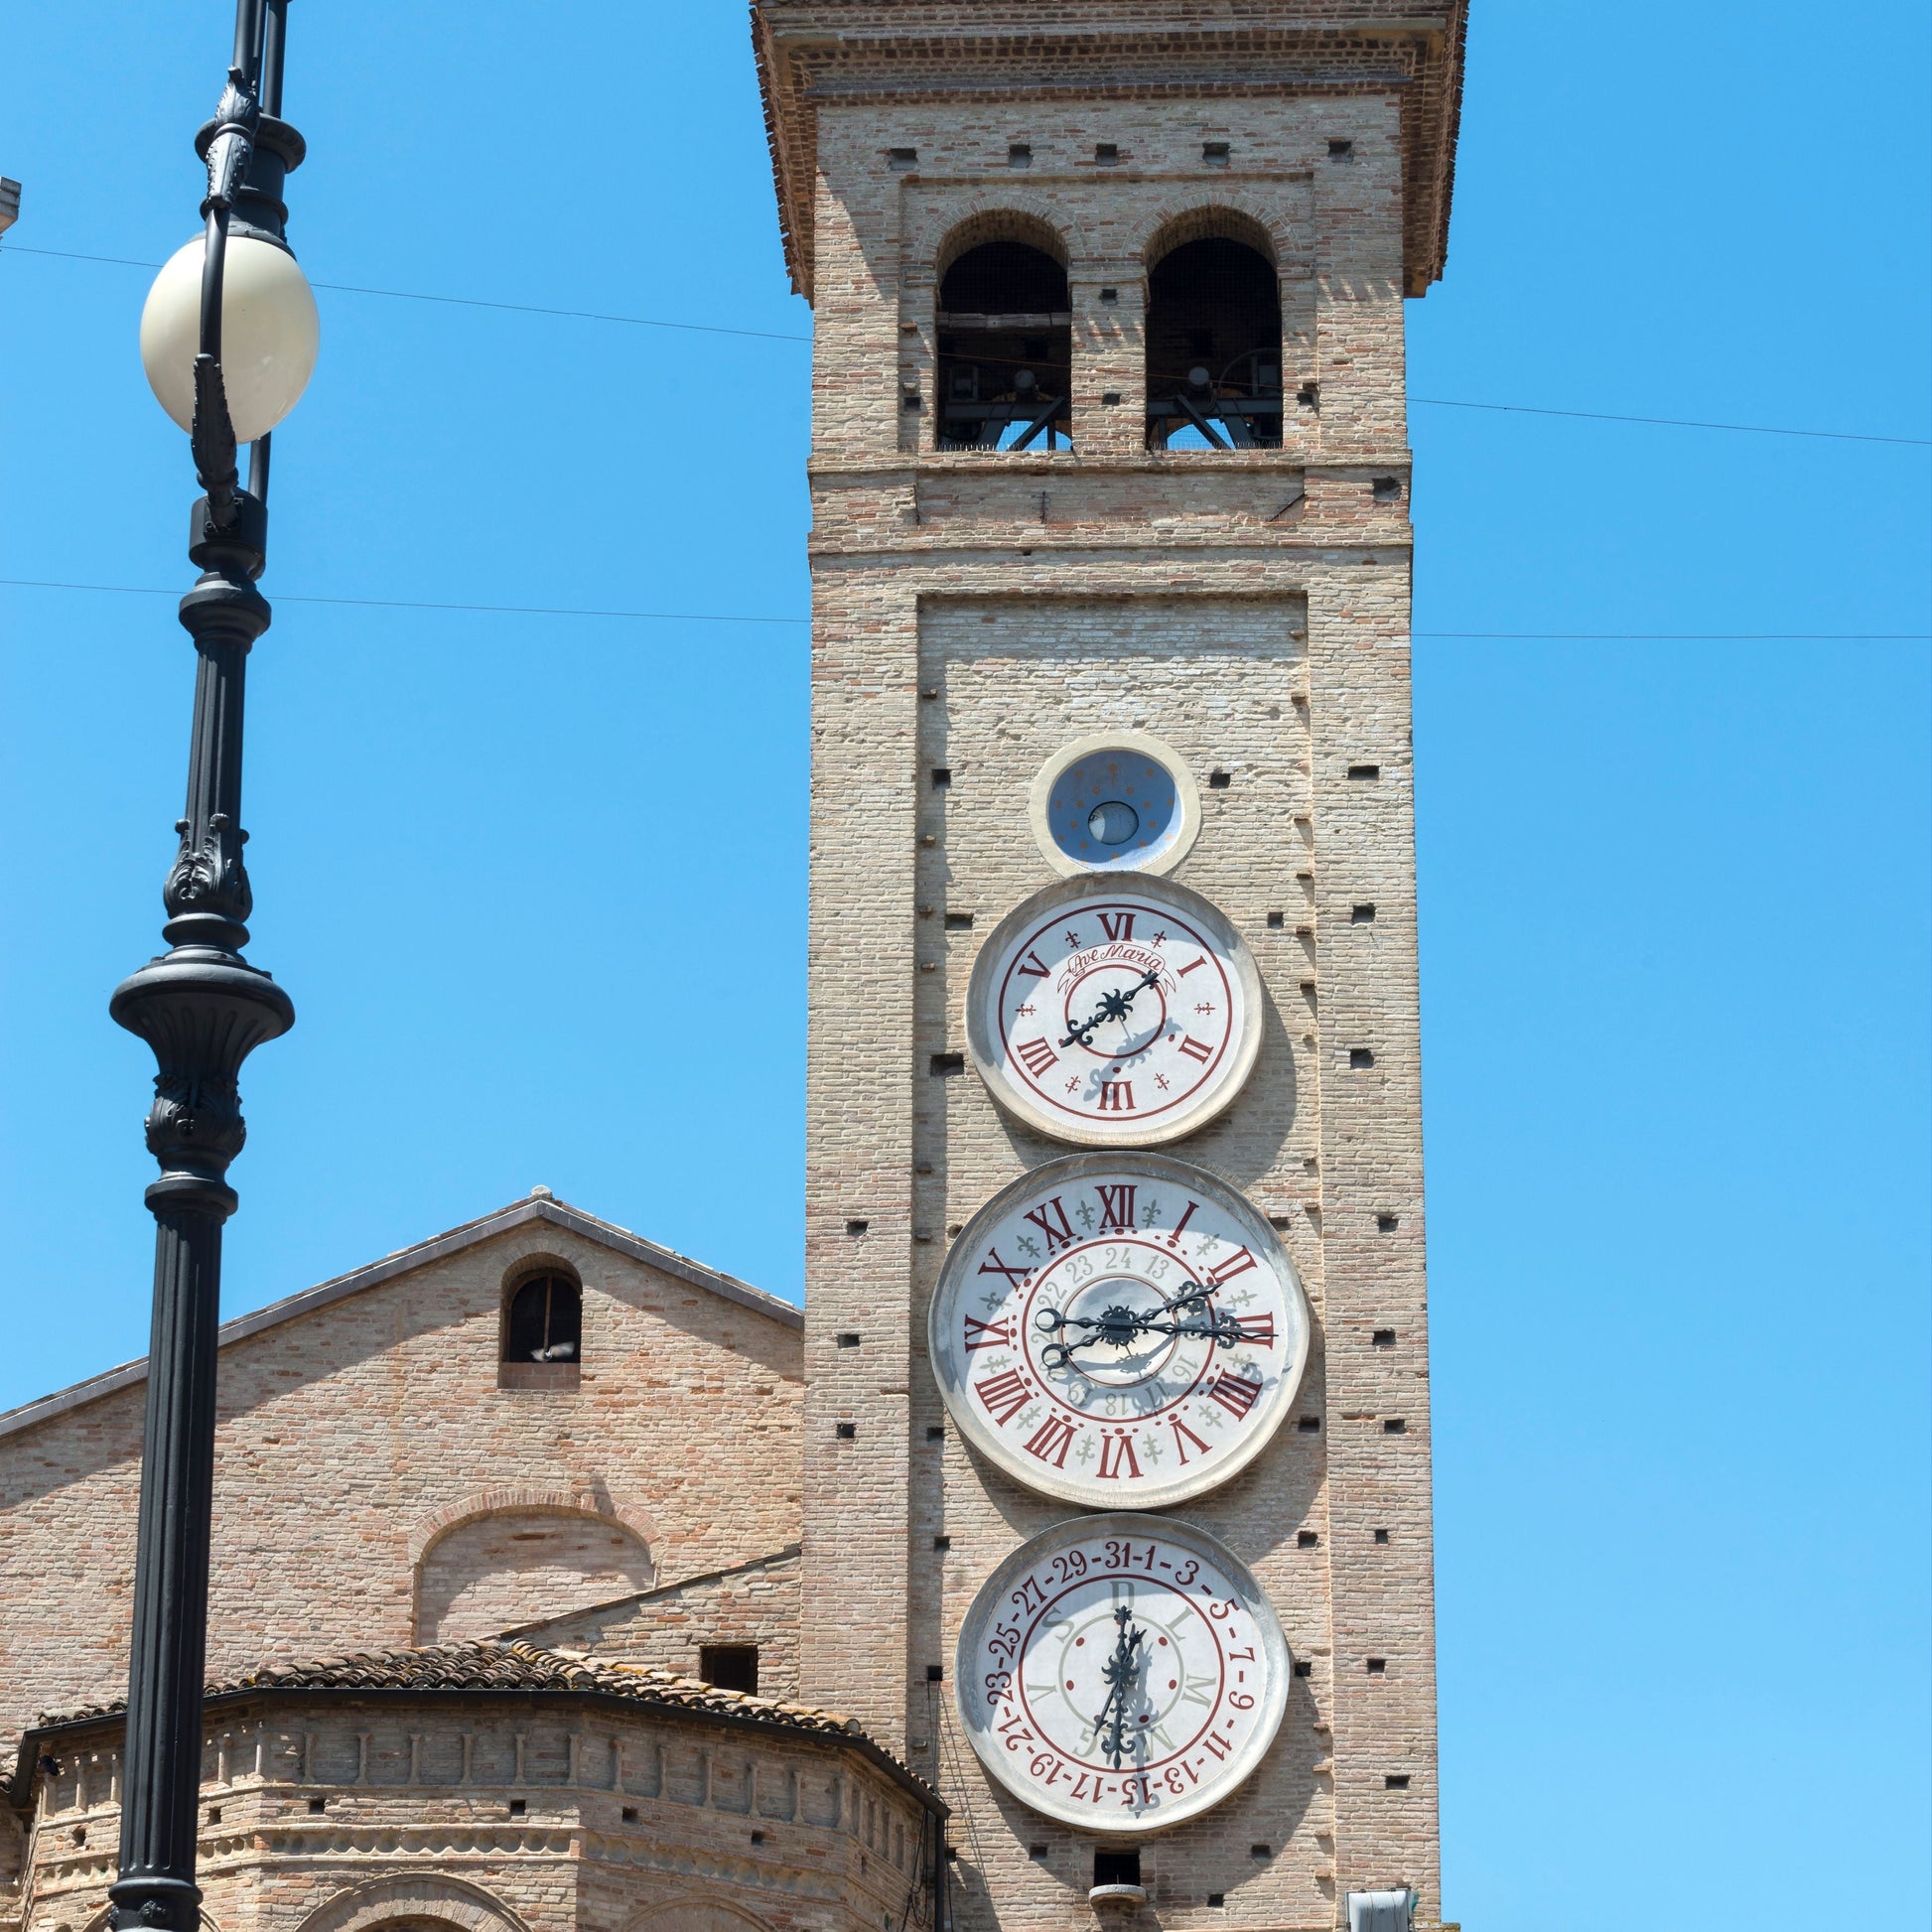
x: 1674, y: 892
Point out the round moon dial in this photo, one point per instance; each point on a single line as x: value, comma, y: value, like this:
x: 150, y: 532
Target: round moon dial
x: 1122, y: 1672
x: 1118, y: 1329
x: 1114, y: 1013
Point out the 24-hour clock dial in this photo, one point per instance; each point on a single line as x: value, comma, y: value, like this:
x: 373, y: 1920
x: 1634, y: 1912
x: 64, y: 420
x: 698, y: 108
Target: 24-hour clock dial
x: 1122, y: 1673
x: 1118, y: 1330
x: 1116, y: 1012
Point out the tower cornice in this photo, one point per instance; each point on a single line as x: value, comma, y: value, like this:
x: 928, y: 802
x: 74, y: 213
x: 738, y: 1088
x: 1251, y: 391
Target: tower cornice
x: 814, y: 51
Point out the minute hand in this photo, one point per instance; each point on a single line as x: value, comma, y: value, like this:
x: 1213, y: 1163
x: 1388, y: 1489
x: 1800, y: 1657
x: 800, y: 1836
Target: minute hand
x: 1113, y: 1005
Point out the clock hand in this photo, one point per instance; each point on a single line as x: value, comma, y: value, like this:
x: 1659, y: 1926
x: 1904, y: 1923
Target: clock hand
x: 1119, y: 1325
x: 1120, y: 1671
x: 1113, y: 1005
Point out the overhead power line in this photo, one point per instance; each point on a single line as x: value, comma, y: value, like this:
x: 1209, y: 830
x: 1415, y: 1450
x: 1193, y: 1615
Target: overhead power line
x: 726, y: 616
x: 773, y: 335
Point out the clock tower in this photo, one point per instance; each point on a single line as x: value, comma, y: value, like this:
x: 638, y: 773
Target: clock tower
x: 1117, y: 1519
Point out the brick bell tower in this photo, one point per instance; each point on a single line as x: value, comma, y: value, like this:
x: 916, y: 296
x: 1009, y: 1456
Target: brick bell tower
x: 1111, y: 601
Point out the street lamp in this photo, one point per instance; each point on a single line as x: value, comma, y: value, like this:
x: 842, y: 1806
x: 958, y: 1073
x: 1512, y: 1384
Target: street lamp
x: 228, y: 339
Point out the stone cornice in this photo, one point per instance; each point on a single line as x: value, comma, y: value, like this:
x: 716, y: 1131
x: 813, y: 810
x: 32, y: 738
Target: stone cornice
x: 810, y: 51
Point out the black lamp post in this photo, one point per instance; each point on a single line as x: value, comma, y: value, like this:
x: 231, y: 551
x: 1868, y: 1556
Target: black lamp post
x: 201, y: 1006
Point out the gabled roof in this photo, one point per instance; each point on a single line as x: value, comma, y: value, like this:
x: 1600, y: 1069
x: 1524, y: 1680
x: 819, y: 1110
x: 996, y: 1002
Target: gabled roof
x: 535, y: 1208
x: 490, y: 1667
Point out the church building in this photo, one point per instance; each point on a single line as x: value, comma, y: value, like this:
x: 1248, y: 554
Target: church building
x: 1067, y: 1562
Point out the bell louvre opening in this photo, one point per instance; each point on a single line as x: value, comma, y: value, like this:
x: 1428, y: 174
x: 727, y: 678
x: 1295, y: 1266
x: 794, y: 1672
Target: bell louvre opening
x: 546, y: 1320
x: 1005, y: 351
x: 1214, y: 350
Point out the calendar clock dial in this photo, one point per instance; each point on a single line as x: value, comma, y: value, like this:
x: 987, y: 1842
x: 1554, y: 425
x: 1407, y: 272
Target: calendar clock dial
x: 1122, y: 1673
x: 1114, y: 1012
x: 1118, y: 1329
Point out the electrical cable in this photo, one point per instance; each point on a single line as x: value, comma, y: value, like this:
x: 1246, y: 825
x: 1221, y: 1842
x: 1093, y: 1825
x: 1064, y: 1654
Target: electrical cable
x: 773, y: 335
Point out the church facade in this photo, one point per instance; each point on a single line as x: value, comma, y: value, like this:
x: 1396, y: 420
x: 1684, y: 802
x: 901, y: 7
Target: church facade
x: 1069, y: 1562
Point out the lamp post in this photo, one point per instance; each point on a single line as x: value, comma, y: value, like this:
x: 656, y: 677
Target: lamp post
x: 228, y: 337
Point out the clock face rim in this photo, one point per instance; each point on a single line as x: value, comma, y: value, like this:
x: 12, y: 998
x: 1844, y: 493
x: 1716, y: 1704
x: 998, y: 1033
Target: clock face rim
x: 1142, y: 744
x: 1127, y: 1524
x: 1041, y: 1481
x: 989, y: 1057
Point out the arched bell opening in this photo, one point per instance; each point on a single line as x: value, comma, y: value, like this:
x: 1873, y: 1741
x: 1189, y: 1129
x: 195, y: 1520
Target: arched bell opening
x: 1005, y: 351
x: 1213, y: 349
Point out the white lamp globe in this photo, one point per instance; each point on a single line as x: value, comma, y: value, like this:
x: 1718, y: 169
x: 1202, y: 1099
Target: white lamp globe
x: 270, y: 333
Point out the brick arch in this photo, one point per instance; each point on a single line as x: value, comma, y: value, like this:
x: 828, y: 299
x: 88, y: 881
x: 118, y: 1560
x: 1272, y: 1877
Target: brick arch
x: 1031, y: 218
x: 512, y: 1498
x: 1232, y: 215
x: 448, y: 1902
x: 696, y: 1914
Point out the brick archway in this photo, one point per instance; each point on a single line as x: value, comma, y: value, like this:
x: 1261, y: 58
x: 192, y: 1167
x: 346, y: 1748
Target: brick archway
x: 451, y: 1903
x: 511, y: 1497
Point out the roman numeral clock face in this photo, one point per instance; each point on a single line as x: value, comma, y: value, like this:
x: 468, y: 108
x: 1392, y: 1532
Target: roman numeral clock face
x: 1114, y: 1014
x: 1121, y: 1673
x: 1118, y: 1330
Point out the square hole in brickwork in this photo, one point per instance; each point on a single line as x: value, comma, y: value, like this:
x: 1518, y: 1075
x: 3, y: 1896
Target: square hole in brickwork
x: 1117, y: 1868
x: 1215, y: 153
x: 1111, y: 398
x: 847, y: 1432
x: 214, y: 1814
x: 1281, y: 1220
x: 1277, y: 920
x: 1307, y: 396
x: 1303, y: 1668
x: 1341, y: 150
x: 1106, y: 154
x: 1036, y: 1851
x: 1360, y: 1057
x: 935, y: 1432
x: 1396, y: 1781
x: 1305, y: 1539
x: 1388, y: 1223
x: 1019, y: 155
x: 1384, y: 1337
x: 910, y: 399
x: 78, y: 1835
x: 630, y: 1814
x: 942, y: 1543
x: 848, y: 1340
x: 1377, y: 1666
x: 952, y: 1232
x: 1219, y: 781
x: 316, y: 1805
x: 1308, y: 1425
x: 903, y: 157
x: 1386, y: 490
x: 758, y: 1837
x: 1217, y: 1898
x: 944, y: 1064
x: 857, y: 1227
x: 959, y: 921
x: 1110, y: 296
x: 941, y: 777
x: 519, y: 1806
x: 1364, y: 770
x: 1395, y: 1426
x: 1264, y: 1851
x: 952, y: 1854
x: 935, y: 1673
x: 1381, y: 1536
x: 1363, y: 914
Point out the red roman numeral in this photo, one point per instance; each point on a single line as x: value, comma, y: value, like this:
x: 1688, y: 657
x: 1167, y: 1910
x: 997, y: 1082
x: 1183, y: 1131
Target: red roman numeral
x: 1117, y: 1457
x: 1196, y: 1049
x: 1031, y: 965
x: 1050, y: 1217
x: 1235, y: 1393
x: 1116, y: 1208
x: 1037, y: 1055
x: 1117, y: 925
x: 987, y: 1334
x: 1174, y: 1240
x: 1052, y: 1441
x: 993, y: 1265
x: 1117, y: 1096
x: 1255, y: 1328
x: 1183, y: 1436
x: 1004, y: 1395
x: 1190, y: 967
x: 1237, y: 1263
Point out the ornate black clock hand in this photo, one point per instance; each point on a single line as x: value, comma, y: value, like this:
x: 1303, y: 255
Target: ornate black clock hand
x: 1113, y: 1005
x: 1120, y: 1671
x: 1119, y: 1327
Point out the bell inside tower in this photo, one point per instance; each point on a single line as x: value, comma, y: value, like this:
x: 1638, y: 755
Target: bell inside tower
x: 1213, y: 349
x: 1005, y: 351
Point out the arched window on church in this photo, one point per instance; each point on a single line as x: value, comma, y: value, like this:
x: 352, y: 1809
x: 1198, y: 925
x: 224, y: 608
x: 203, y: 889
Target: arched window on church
x: 1213, y: 349
x: 543, y: 1320
x: 1005, y: 351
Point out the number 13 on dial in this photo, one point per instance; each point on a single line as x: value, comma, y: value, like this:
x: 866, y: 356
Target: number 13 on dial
x: 1121, y: 1673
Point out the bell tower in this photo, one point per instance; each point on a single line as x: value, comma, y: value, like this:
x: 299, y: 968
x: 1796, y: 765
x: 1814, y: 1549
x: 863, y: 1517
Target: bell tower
x: 1115, y: 1214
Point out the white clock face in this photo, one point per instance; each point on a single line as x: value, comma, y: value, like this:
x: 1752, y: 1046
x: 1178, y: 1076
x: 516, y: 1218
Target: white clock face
x: 1114, y: 1012
x: 1118, y: 1330
x: 1122, y: 1673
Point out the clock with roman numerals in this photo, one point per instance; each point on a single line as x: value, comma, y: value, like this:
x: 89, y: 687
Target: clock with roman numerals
x: 1118, y: 1330
x: 1114, y: 1013
x: 1121, y: 1673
